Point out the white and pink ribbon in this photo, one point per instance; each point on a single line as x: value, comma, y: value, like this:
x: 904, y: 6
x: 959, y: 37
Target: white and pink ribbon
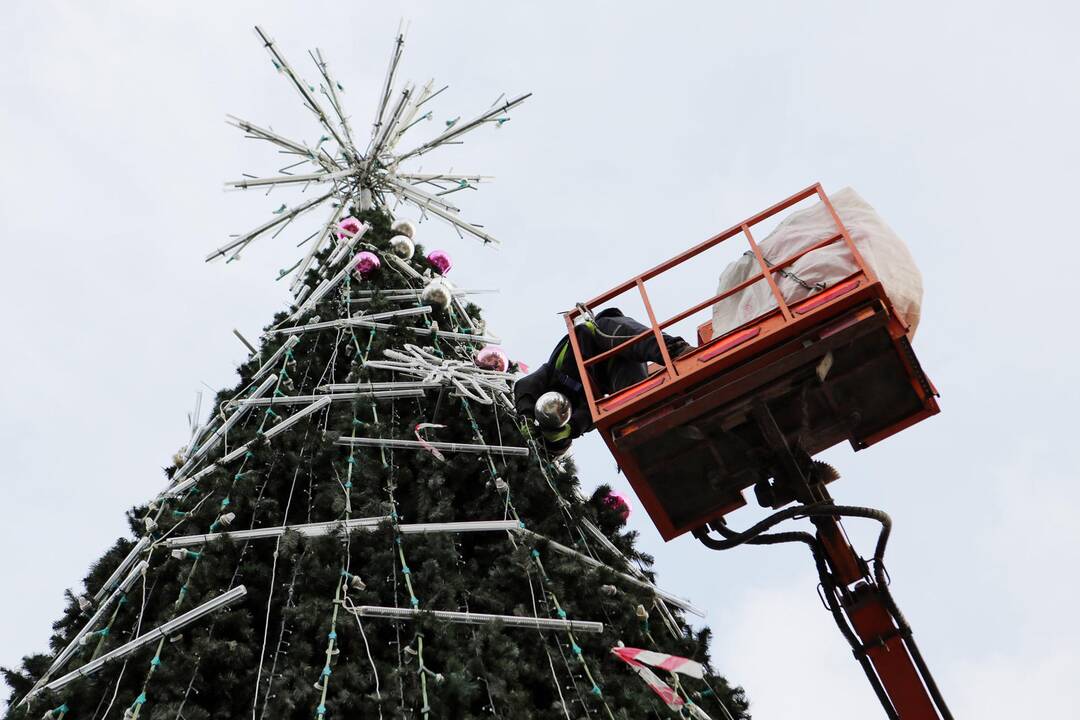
x: 423, y: 441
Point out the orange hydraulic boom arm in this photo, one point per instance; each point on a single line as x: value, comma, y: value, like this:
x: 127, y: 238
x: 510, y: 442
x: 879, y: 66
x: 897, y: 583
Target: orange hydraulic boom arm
x: 855, y: 592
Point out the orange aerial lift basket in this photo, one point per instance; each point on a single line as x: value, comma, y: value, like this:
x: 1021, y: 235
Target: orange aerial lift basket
x: 835, y: 366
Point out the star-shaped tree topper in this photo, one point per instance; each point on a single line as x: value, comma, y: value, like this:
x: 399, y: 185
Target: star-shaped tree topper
x: 349, y: 170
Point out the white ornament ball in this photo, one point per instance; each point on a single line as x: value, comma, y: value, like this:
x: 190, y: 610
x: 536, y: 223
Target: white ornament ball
x: 404, y: 227
x: 402, y: 246
x: 438, y: 294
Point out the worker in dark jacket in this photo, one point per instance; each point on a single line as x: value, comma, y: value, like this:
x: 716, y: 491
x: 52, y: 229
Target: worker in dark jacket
x: 560, y: 375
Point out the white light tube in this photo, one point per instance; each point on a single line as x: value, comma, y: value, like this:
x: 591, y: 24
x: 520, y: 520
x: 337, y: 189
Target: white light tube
x: 327, y: 285
x: 408, y: 293
x: 65, y: 655
x: 298, y: 399
x: 417, y: 445
x: 295, y: 418
x: 265, y: 367
x: 280, y: 427
x: 375, y: 386
x: 405, y: 312
x: 480, y: 618
x: 179, y: 487
x: 220, y: 433
x: 346, y: 245
x: 122, y: 568
x: 328, y: 528
x: 168, y: 628
x: 675, y: 600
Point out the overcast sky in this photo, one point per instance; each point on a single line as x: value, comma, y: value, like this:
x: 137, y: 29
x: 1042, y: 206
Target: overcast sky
x: 651, y: 128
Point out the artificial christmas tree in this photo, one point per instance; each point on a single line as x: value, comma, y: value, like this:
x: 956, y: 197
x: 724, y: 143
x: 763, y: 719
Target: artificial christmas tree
x: 363, y: 527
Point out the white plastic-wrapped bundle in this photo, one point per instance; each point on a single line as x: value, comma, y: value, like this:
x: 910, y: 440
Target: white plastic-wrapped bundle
x: 880, y: 247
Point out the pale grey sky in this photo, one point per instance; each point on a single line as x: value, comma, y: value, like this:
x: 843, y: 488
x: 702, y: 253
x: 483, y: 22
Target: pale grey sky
x: 652, y: 127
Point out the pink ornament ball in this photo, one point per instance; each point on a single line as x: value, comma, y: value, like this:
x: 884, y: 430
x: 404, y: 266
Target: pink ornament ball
x: 619, y: 503
x: 367, y: 263
x: 350, y: 224
x: 492, y: 357
x: 440, y: 260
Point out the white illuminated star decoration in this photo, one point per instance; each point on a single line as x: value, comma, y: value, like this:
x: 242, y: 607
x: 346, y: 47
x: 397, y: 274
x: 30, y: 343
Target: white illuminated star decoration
x: 365, y: 175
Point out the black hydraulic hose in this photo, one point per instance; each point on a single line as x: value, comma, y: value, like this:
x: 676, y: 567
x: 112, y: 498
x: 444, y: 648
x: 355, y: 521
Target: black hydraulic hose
x: 830, y: 590
x: 830, y: 594
x: 755, y: 536
x: 890, y: 603
x: 916, y: 655
x: 734, y: 539
x: 772, y: 538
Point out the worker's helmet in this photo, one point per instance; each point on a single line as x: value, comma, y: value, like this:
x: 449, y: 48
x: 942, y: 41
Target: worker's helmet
x: 552, y: 411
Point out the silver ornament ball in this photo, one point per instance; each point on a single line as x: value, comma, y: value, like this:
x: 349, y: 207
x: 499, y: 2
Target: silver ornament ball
x: 553, y: 410
x: 404, y: 227
x: 402, y: 246
x: 437, y: 293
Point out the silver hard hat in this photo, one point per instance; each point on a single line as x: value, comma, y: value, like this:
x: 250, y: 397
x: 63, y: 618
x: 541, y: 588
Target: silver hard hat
x: 553, y: 410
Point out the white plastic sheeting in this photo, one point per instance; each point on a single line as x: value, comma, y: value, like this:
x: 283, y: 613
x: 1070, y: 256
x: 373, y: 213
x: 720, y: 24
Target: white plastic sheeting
x: 880, y: 247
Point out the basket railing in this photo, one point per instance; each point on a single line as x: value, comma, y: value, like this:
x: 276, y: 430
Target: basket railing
x: 766, y: 272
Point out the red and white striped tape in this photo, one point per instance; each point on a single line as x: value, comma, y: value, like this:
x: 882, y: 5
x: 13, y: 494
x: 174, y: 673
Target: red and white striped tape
x: 638, y: 659
x: 658, y: 686
x: 671, y: 663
